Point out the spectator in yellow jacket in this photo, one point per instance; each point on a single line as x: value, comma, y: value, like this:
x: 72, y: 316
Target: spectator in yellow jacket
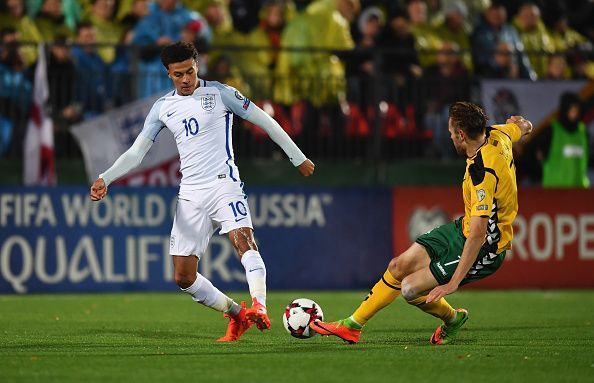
x: 12, y: 15
x: 261, y: 64
x: 108, y: 31
x: 427, y: 41
x: 324, y: 24
x: 534, y: 36
x: 130, y: 14
x: 565, y: 41
x: 219, y: 20
x: 453, y: 29
x: 51, y: 21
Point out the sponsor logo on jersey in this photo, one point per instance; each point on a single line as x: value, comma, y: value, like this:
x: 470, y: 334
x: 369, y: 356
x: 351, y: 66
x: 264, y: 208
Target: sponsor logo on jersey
x: 169, y: 114
x: 239, y: 96
x: 246, y: 104
x: 480, y: 194
x: 208, y: 102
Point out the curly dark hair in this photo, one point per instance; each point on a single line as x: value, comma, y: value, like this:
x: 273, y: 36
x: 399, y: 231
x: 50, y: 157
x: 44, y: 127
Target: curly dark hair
x: 469, y: 118
x: 178, y: 52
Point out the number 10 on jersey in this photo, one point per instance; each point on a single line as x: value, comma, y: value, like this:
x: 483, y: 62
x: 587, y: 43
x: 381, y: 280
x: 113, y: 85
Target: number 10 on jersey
x: 191, y: 126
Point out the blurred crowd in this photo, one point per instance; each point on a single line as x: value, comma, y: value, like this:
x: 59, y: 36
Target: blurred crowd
x: 339, y: 57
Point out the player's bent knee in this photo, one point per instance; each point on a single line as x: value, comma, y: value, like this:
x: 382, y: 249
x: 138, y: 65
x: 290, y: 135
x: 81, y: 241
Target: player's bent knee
x: 184, y: 280
x: 409, y: 292
x: 397, y: 268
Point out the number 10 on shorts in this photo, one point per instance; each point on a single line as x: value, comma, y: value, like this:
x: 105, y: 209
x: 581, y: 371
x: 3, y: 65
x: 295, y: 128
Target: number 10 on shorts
x: 239, y: 210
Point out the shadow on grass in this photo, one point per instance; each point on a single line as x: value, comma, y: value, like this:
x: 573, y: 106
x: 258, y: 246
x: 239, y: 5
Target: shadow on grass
x: 525, y: 327
x: 136, y: 342
x: 94, y: 350
x: 149, y: 334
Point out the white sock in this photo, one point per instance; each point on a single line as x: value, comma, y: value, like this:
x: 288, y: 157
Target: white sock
x: 203, y: 291
x: 255, y: 273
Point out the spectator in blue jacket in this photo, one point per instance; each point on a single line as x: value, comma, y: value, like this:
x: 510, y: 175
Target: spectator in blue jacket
x: 91, y: 79
x: 492, y: 30
x: 15, y: 91
x: 162, y: 26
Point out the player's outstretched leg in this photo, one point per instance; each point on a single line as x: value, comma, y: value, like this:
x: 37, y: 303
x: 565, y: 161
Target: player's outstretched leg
x: 204, y: 292
x: 448, y: 331
x: 255, y: 272
x: 349, y: 329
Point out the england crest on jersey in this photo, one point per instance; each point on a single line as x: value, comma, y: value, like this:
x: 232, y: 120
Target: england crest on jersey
x: 208, y: 102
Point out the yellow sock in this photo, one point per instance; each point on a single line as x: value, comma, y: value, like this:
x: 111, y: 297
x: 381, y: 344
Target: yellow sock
x: 440, y: 309
x: 382, y: 294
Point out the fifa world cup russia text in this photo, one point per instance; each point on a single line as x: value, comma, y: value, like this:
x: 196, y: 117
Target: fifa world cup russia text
x: 56, y: 238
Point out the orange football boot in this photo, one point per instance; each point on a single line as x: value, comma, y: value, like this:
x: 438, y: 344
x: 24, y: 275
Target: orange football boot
x: 339, y: 329
x: 237, y: 325
x: 258, y: 315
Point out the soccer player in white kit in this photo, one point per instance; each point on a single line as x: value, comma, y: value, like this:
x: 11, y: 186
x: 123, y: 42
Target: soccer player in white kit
x: 200, y: 115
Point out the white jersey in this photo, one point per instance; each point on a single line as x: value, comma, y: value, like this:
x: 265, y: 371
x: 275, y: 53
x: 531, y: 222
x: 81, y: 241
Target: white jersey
x: 201, y: 124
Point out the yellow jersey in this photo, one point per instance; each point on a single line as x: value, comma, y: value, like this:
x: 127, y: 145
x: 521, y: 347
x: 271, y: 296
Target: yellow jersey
x: 489, y: 187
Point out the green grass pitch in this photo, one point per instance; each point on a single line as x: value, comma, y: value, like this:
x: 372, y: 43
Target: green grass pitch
x: 512, y: 336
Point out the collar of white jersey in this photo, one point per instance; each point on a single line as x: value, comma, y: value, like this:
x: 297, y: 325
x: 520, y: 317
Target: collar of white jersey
x: 201, y: 83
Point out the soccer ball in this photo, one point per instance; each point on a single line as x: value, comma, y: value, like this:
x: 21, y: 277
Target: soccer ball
x: 299, y: 314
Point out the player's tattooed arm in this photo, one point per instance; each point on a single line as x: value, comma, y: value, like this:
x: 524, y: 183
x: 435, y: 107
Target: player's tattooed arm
x: 522, y: 123
x: 243, y: 240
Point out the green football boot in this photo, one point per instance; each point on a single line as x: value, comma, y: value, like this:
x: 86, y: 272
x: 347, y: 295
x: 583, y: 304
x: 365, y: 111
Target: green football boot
x: 447, y: 332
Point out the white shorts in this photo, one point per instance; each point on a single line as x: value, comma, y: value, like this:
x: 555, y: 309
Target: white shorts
x: 201, y: 212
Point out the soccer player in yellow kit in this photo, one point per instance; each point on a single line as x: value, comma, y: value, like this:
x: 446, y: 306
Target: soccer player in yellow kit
x: 465, y: 250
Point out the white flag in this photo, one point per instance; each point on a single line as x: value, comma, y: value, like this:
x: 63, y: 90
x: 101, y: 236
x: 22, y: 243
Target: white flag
x: 105, y: 137
x: 38, y: 152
